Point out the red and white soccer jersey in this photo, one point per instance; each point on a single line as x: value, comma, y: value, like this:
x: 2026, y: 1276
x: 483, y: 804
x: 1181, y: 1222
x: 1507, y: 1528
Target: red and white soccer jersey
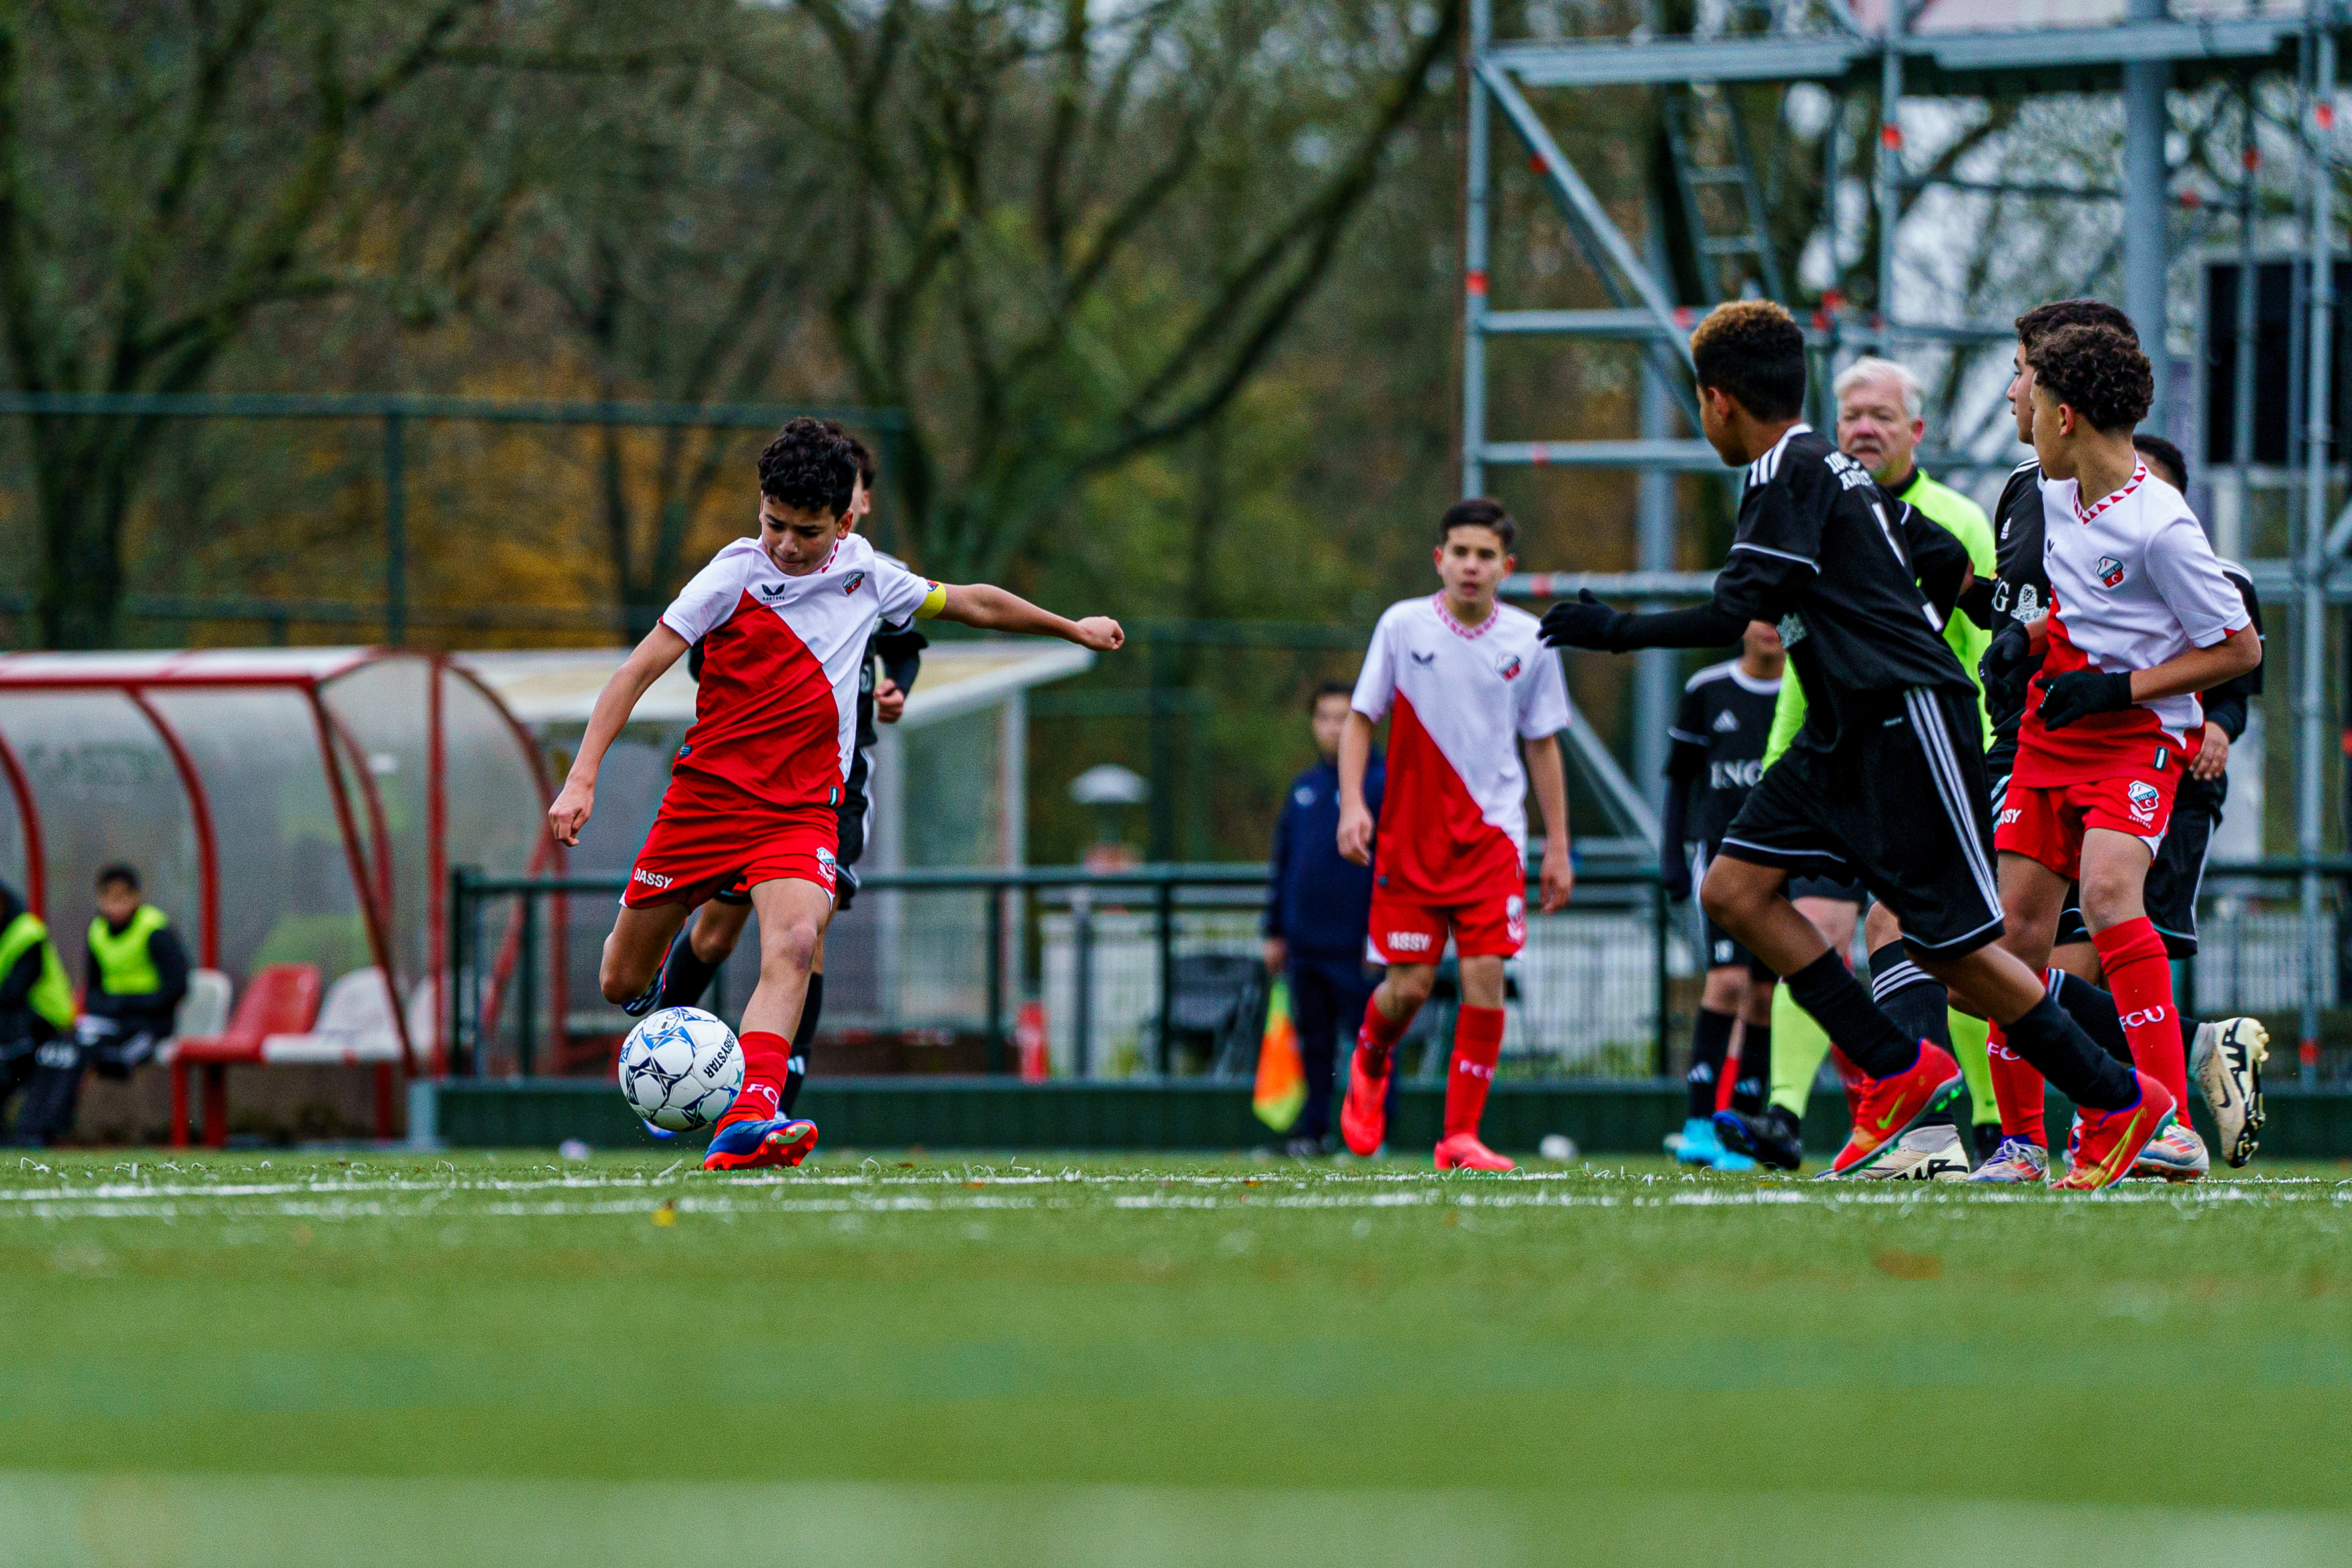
x: 2132, y: 582
x: 775, y: 715
x: 1452, y: 848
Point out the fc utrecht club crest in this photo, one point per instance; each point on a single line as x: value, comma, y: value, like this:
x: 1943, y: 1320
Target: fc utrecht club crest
x: 2145, y: 799
x: 855, y: 580
x: 2111, y: 571
x: 1508, y: 666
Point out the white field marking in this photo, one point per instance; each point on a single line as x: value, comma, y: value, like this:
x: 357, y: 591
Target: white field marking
x: 329, y: 1202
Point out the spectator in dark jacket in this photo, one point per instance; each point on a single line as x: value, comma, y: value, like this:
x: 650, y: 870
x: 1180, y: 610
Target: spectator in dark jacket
x: 1318, y: 909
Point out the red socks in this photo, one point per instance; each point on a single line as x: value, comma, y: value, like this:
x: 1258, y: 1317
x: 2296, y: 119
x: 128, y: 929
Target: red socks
x: 2139, y: 976
x: 1477, y: 1041
x: 767, y: 1059
x: 1382, y: 1032
x: 2016, y: 1090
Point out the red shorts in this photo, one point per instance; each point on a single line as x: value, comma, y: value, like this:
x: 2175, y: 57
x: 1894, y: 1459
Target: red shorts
x: 698, y: 848
x: 1404, y: 930
x: 2046, y: 822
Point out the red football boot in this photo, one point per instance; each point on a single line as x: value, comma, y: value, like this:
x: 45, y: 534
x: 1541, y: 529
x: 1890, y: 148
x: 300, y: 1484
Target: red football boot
x: 758, y: 1143
x: 1891, y: 1106
x: 1364, y: 1118
x: 1463, y: 1152
x: 2105, y: 1144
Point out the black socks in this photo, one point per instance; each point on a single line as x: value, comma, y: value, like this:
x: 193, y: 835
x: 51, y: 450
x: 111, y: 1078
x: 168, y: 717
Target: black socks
x: 1755, y: 1080
x: 796, y: 1067
x: 1828, y: 991
x: 1917, y: 1003
x: 2056, y: 1046
x: 684, y: 976
x: 1710, y: 1042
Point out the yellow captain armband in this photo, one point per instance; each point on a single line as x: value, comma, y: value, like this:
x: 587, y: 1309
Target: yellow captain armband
x: 933, y: 602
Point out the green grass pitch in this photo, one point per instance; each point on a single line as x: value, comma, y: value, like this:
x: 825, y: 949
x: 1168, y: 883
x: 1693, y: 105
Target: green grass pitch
x: 263, y: 1359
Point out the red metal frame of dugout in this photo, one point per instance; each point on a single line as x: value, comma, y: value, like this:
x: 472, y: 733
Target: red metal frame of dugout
x: 135, y: 677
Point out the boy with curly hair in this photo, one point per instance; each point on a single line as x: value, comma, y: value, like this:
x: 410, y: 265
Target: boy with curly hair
x: 2140, y: 618
x: 784, y: 619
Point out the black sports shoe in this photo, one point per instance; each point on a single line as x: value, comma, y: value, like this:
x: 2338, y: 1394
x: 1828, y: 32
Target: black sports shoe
x: 1770, y: 1138
x: 1988, y: 1139
x: 646, y: 1000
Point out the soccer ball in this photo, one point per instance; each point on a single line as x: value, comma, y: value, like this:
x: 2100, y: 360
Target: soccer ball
x: 680, y: 1069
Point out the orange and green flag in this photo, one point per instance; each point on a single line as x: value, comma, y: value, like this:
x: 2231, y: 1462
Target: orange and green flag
x: 1281, y: 1078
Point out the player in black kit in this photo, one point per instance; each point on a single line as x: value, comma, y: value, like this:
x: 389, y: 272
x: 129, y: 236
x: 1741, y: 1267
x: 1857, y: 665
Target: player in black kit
x: 696, y: 952
x: 2225, y: 1056
x: 1719, y: 731
x: 1886, y: 780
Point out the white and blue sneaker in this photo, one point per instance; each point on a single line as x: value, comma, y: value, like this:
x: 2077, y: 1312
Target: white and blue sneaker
x: 2177, y: 1154
x: 2017, y: 1163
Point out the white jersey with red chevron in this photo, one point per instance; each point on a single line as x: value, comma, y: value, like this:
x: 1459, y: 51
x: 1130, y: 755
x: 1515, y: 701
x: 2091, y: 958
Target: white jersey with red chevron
x: 1454, y: 819
x: 776, y: 712
x: 2132, y: 582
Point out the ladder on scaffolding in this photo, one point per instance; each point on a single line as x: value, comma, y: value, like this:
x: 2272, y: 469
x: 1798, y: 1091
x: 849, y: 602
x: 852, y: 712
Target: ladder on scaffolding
x: 1722, y: 198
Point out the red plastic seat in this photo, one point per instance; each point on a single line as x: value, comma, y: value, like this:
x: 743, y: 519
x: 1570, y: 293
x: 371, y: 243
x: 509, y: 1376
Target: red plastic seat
x: 282, y: 998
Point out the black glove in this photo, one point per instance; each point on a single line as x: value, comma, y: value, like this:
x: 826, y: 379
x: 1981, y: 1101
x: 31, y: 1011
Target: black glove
x: 1584, y: 622
x: 2007, y: 666
x: 2007, y: 655
x: 2079, y: 693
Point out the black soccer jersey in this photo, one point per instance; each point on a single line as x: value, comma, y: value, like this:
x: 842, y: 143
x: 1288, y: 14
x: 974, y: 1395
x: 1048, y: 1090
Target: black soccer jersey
x: 1719, y: 730
x: 2021, y: 591
x: 1839, y: 564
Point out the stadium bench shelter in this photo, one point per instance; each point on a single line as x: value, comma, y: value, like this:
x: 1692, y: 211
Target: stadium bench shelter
x: 295, y: 812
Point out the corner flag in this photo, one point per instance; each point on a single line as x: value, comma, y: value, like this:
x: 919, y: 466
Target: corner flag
x: 1281, y: 1079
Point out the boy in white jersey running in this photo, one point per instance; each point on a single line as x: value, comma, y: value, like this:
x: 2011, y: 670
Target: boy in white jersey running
x: 784, y: 619
x: 1464, y: 681
x: 2141, y: 619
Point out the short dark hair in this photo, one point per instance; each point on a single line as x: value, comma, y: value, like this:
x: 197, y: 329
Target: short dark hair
x: 1331, y: 689
x: 810, y: 467
x: 1480, y: 512
x: 119, y: 871
x: 2044, y: 320
x: 2162, y: 451
x: 1753, y: 351
x: 2096, y: 372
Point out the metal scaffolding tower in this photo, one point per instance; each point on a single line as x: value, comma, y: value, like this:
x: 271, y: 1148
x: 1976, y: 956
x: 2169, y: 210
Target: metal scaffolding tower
x: 2141, y: 57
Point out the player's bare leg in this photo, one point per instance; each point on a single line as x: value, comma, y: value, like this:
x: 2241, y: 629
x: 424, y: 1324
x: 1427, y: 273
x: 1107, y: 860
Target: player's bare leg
x: 1364, y: 1115
x: 793, y: 915
x: 1477, y: 1040
x: 632, y: 961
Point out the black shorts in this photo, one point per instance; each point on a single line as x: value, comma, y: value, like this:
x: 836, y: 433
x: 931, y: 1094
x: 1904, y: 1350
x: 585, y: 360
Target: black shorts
x: 1844, y: 890
x: 1899, y: 806
x: 2174, y: 880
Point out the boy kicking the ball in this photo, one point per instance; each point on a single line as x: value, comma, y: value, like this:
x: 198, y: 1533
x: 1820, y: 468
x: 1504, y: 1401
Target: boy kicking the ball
x: 784, y: 619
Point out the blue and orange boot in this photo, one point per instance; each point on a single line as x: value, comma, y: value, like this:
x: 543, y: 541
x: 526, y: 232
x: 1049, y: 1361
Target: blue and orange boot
x: 1892, y: 1106
x: 752, y: 1143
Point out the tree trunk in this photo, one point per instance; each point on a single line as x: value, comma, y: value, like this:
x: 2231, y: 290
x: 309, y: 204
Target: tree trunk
x: 82, y: 471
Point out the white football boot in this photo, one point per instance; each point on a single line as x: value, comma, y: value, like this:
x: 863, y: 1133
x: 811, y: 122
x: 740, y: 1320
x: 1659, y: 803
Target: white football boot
x: 1922, y: 1154
x: 2226, y: 1059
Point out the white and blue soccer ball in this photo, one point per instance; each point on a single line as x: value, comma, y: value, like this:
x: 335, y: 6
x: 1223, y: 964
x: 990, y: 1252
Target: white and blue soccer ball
x: 680, y: 1069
